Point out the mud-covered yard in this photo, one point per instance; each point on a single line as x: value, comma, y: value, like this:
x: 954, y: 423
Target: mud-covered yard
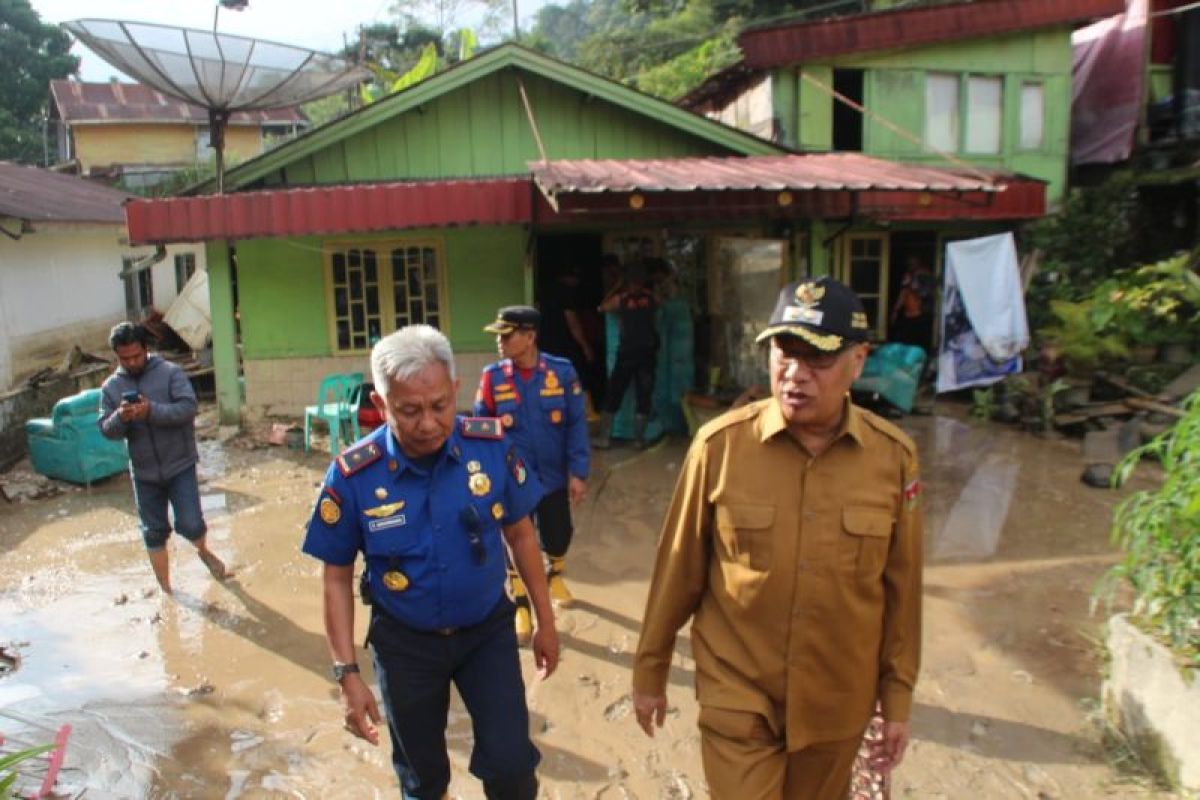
x: 223, y: 690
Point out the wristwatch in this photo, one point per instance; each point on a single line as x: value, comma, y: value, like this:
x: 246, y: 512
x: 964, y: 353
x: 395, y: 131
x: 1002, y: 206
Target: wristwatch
x: 342, y: 670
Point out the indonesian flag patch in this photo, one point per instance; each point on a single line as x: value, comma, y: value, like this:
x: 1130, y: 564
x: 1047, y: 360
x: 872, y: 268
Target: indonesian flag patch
x: 911, y: 493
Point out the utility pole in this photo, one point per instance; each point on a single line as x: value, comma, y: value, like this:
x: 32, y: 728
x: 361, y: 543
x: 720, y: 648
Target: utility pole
x: 516, y: 23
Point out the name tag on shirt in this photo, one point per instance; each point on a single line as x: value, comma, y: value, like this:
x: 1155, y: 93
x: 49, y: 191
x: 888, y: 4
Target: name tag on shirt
x: 383, y: 524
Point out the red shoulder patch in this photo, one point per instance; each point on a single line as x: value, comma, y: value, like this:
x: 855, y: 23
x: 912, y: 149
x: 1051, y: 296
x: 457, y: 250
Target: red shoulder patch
x: 354, y: 460
x: 482, y: 428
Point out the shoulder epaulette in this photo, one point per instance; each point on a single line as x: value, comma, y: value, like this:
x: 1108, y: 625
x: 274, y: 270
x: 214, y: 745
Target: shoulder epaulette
x: 482, y: 428
x: 354, y: 460
x: 730, y: 418
x: 889, y: 430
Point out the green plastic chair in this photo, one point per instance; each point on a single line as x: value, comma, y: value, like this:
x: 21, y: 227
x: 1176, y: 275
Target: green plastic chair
x: 337, y: 407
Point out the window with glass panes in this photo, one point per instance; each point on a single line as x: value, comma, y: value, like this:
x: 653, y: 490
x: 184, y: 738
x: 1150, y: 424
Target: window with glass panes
x: 863, y: 271
x: 378, y: 287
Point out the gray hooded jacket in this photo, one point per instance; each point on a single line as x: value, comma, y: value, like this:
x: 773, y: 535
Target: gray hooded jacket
x: 163, y: 445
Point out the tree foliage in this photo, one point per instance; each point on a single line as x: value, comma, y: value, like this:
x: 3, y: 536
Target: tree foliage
x: 31, y: 55
x: 663, y: 47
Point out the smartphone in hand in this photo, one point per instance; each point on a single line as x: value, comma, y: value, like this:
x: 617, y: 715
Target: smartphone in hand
x: 131, y: 397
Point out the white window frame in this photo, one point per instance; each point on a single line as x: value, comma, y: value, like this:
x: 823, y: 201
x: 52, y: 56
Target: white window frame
x: 1032, y: 135
x: 937, y: 136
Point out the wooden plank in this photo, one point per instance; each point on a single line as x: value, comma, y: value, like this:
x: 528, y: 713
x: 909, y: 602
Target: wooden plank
x: 1141, y: 404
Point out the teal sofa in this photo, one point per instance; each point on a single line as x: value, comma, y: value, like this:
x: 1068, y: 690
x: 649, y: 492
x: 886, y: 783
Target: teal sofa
x: 69, y: 446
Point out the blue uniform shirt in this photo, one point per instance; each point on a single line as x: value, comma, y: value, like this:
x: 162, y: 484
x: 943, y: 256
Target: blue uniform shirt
x: 416, y: 527
x: 543, y: 416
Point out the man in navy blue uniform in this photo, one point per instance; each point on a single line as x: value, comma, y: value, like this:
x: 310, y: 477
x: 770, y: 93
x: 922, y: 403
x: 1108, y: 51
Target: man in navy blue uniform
x: 539, y: 400
x: 427, y: 498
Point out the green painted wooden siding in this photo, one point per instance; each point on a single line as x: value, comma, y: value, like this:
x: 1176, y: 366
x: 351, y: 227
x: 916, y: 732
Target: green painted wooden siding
x: 894, y: 88
x: 283, y: 294
x: 481, y: 129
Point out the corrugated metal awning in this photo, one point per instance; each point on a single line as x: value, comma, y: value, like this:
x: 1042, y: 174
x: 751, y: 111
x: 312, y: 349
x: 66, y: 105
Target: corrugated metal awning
x: 822, y: 186
x: 819, y: 185
x: 815, y: 172
x: 353, y: 208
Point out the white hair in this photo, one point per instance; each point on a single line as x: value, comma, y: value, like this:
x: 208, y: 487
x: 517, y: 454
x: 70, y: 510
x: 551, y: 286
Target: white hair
x: 400, y: 355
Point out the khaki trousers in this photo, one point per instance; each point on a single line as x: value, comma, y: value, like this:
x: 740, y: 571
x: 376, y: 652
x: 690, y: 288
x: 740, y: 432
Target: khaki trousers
x: 746, y: 759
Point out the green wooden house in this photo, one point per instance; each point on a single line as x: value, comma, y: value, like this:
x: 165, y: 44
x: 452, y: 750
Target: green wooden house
x: 980, y: 85
x: 474, y: 188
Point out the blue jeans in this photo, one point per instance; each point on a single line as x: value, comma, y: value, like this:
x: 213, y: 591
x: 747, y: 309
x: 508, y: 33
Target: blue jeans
x: 183, y: 494
x: 415, y: 669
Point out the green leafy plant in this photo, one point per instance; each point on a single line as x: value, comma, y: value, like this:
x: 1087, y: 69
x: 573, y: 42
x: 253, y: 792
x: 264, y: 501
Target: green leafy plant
x: 1081, y: 333
x: 1156, y: 303
x: 8, y: 764
x: 983, y: 403
x: 1159, y: 532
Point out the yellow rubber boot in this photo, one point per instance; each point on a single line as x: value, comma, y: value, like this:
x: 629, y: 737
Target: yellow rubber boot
x: 523, y: 620
x: 559, y: 592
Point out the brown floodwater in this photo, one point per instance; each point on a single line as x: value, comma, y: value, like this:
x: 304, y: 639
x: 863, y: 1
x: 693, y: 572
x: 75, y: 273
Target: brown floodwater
x: 222, y: 691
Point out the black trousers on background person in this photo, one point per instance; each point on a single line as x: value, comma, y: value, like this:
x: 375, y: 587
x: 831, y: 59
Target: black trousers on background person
x: 636, y: 367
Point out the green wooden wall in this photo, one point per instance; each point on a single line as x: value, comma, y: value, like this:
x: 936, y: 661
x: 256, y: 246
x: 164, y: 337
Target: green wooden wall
x: 281, y: 288
x: 481, y: 129
x: 894, y: 88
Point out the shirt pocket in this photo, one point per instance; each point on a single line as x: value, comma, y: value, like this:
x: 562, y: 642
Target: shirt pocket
x: 866, y: 538
x: 746, y: 532
x: 554, y: 409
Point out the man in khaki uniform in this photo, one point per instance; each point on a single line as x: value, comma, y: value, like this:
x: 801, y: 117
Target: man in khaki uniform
x: 794, y: 538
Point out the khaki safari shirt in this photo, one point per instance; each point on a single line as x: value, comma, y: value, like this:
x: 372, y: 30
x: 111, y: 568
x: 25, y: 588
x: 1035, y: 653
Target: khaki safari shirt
x: 804, y: 574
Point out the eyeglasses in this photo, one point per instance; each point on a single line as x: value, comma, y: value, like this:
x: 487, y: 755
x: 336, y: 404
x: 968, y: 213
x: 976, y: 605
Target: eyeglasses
x: 809, y: 356
x: 473, y: 522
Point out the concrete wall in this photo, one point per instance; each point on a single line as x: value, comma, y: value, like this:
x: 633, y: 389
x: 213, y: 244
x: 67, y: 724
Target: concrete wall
x: 1154, y: 704
x: 60, y: 287
x: 284, y: 386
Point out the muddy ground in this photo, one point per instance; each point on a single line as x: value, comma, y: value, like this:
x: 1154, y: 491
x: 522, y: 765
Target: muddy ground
x: 223, y: 690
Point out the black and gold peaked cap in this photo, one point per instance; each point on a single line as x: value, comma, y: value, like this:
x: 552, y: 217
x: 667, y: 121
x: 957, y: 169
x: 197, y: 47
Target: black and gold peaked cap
x: 821, y: 311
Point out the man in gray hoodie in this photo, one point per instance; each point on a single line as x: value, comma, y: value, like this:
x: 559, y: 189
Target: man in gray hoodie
x: 150, y: 403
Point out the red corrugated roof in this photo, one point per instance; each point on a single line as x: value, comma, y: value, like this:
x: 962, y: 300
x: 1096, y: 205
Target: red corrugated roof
x: 134, y: 102
x: 330, y: 210
x: 41, y: 195
x: 910, y: 27
x: 828, y: 186
x: 813, y: 171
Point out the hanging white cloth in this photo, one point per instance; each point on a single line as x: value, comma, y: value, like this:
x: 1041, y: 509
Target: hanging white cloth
x: 984, y: 328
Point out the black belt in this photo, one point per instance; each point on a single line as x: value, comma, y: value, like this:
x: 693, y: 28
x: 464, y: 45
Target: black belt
x: 503, y: 606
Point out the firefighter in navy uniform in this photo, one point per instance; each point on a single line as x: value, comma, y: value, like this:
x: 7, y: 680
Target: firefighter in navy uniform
x: 427, y: 499
x: 539, y: 400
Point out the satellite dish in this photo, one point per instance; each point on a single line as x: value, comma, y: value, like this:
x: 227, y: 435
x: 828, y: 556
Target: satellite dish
x: 217, y: 71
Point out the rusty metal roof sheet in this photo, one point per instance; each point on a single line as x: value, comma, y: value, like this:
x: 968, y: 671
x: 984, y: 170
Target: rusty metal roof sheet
x: 34, y: 194
x: 912, y: 26
x: 134, y: 102
x: 815, y: 171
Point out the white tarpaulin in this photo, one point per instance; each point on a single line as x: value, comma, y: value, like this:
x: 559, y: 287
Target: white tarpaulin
x: 984, y: 328
x: 189, y: 315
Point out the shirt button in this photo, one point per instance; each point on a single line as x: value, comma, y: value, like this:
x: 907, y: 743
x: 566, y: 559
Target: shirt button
x: 437, y: 527
x: 443, y: 567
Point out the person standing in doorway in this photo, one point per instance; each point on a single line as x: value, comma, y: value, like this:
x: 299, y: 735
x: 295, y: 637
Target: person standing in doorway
x: 539, y: 401
x: 793, y: 542
x: 912, y: 313
x: 150, y: 403
x: 637, y: 353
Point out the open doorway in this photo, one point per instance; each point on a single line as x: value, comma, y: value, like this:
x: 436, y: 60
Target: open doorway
x: 913, y: 253
x: 568, y: 287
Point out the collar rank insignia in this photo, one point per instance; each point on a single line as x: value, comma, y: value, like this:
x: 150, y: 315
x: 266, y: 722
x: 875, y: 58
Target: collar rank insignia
x: 482, y: 428
x: 354, y: 460
x: 385, y: 510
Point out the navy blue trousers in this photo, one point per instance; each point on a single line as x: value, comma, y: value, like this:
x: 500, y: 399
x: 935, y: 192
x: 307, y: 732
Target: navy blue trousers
x: 415, y: 670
